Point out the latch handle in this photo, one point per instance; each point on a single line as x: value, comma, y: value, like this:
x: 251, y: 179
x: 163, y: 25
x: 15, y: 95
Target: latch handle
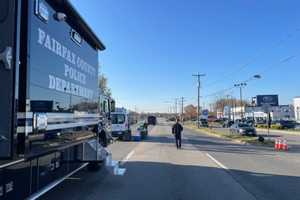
x: 6, y: 57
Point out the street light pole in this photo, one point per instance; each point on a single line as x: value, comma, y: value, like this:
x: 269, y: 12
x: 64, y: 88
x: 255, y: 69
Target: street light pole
x: 198, y: 89
x: 182, y: 99
x: 241, y: 85
x: 176, y: 99
x: 229, y: 113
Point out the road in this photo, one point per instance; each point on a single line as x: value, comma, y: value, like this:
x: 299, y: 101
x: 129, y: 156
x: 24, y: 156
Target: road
x: 205, y: 168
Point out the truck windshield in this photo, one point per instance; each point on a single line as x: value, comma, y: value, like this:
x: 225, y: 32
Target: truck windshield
x: 117, y: 118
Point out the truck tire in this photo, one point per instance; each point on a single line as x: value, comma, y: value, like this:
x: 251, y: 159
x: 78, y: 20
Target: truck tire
x: 127, y: 136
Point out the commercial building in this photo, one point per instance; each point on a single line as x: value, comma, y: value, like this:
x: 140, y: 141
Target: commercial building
x: 297, y: 108
x: 261, y: 105
x: 280, y: 112
x: 259, y: 113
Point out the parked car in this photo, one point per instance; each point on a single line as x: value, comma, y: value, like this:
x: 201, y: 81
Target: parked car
x: 228, y: 123
x: 243, y: 129
x: 171, y: 119
x: 251, y: 122
x: 212, y: 118
x: 203, y: 122
x: 286, y: 124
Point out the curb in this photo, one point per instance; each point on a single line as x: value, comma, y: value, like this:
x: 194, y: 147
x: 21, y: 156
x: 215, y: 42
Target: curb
x: 279, y: 131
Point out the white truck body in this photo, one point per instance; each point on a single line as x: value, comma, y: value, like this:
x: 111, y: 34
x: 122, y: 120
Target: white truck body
x: 120, y: 122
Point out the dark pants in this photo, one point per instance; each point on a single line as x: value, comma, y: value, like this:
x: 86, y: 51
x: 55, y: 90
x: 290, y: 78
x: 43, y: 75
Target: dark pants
x: 178, y: 141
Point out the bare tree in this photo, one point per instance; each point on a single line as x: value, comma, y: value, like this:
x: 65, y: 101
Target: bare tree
x: 103, y: 85
x: 190, y: 111
x: 220, y: 104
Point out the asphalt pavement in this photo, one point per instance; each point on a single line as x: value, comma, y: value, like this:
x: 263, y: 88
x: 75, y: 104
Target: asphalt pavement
x: 205, y: 168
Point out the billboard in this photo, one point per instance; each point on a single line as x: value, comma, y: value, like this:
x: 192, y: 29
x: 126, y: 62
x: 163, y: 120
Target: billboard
x: 271, y: 100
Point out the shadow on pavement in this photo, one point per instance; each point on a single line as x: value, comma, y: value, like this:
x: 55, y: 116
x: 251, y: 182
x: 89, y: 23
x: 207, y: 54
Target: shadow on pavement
x: 209, y: 144
x: 165, y: 181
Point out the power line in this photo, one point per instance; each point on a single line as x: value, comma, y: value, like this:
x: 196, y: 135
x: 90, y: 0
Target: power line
x: 239, y: 69
x: 229, y: 88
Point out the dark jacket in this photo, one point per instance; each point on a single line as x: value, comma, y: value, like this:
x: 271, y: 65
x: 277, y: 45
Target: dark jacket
x: 177, y: 129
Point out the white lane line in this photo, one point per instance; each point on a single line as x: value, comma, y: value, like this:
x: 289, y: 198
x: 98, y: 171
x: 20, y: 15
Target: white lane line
x: 216, y: 161
x: 129, y: 155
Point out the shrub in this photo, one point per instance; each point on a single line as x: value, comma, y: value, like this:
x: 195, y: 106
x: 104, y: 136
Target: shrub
x: 262, y: 126
x: 276, y: 126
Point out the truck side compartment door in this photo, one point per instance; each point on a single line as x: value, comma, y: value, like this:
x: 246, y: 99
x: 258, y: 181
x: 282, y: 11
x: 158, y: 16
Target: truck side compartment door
x: 8, y: 34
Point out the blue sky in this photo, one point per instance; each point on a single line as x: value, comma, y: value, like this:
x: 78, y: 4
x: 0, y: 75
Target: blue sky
x: 154, y: 47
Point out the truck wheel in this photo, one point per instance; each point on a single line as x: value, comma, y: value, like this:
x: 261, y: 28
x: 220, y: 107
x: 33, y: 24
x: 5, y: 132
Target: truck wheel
x: 93, y: 166
x: 127, y: 136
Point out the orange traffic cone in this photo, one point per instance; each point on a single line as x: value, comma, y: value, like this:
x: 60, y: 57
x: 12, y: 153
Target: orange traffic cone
x: 284, y: 145
x: 280, y: 144
x: 276, y: 144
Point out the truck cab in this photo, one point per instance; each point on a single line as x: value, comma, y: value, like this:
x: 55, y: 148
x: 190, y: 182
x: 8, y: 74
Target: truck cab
x: 120, y: 124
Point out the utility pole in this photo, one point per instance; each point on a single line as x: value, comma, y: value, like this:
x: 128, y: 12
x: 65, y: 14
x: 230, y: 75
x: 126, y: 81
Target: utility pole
x: 182, y: 99
x: 182, y: 107
x: 198, y: 107
x: 176, y: 102
x: 241, y: 85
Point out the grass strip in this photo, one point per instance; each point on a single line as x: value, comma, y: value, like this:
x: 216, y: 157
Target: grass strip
x: 233, y: 137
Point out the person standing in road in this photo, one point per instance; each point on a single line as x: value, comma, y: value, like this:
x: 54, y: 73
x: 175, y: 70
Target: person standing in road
x: 176, y: 130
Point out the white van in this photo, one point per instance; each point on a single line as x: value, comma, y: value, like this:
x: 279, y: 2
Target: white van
x: 120, y: 124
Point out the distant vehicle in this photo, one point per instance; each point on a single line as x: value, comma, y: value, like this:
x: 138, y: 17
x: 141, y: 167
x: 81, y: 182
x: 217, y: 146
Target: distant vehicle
x: 143, y: 129
x: 203, y: 123
x: 260, y: 121
x: 152, y: 120
x: 243, y: 129
x: 212, y: 118
x: 249, y: 121
x: 120, y: 124
x: 286, y: 124
x: 171, y: 119
x: 228, y: 123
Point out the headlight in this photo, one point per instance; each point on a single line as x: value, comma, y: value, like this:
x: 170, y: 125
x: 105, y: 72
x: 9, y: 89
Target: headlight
x: 241, y: 130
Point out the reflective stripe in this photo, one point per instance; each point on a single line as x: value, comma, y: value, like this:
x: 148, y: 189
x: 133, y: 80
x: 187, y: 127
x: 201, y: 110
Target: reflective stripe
x: 57, y: 121
x: 24, y: 129
x: 11, y: 163
x: 26, y: 115
x: 70, y: 125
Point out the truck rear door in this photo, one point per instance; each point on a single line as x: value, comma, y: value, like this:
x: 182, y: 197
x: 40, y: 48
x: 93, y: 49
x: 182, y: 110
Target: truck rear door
x: 8, y: 34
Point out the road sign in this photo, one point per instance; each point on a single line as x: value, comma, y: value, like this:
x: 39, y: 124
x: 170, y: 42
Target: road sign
x: 204, y: 114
